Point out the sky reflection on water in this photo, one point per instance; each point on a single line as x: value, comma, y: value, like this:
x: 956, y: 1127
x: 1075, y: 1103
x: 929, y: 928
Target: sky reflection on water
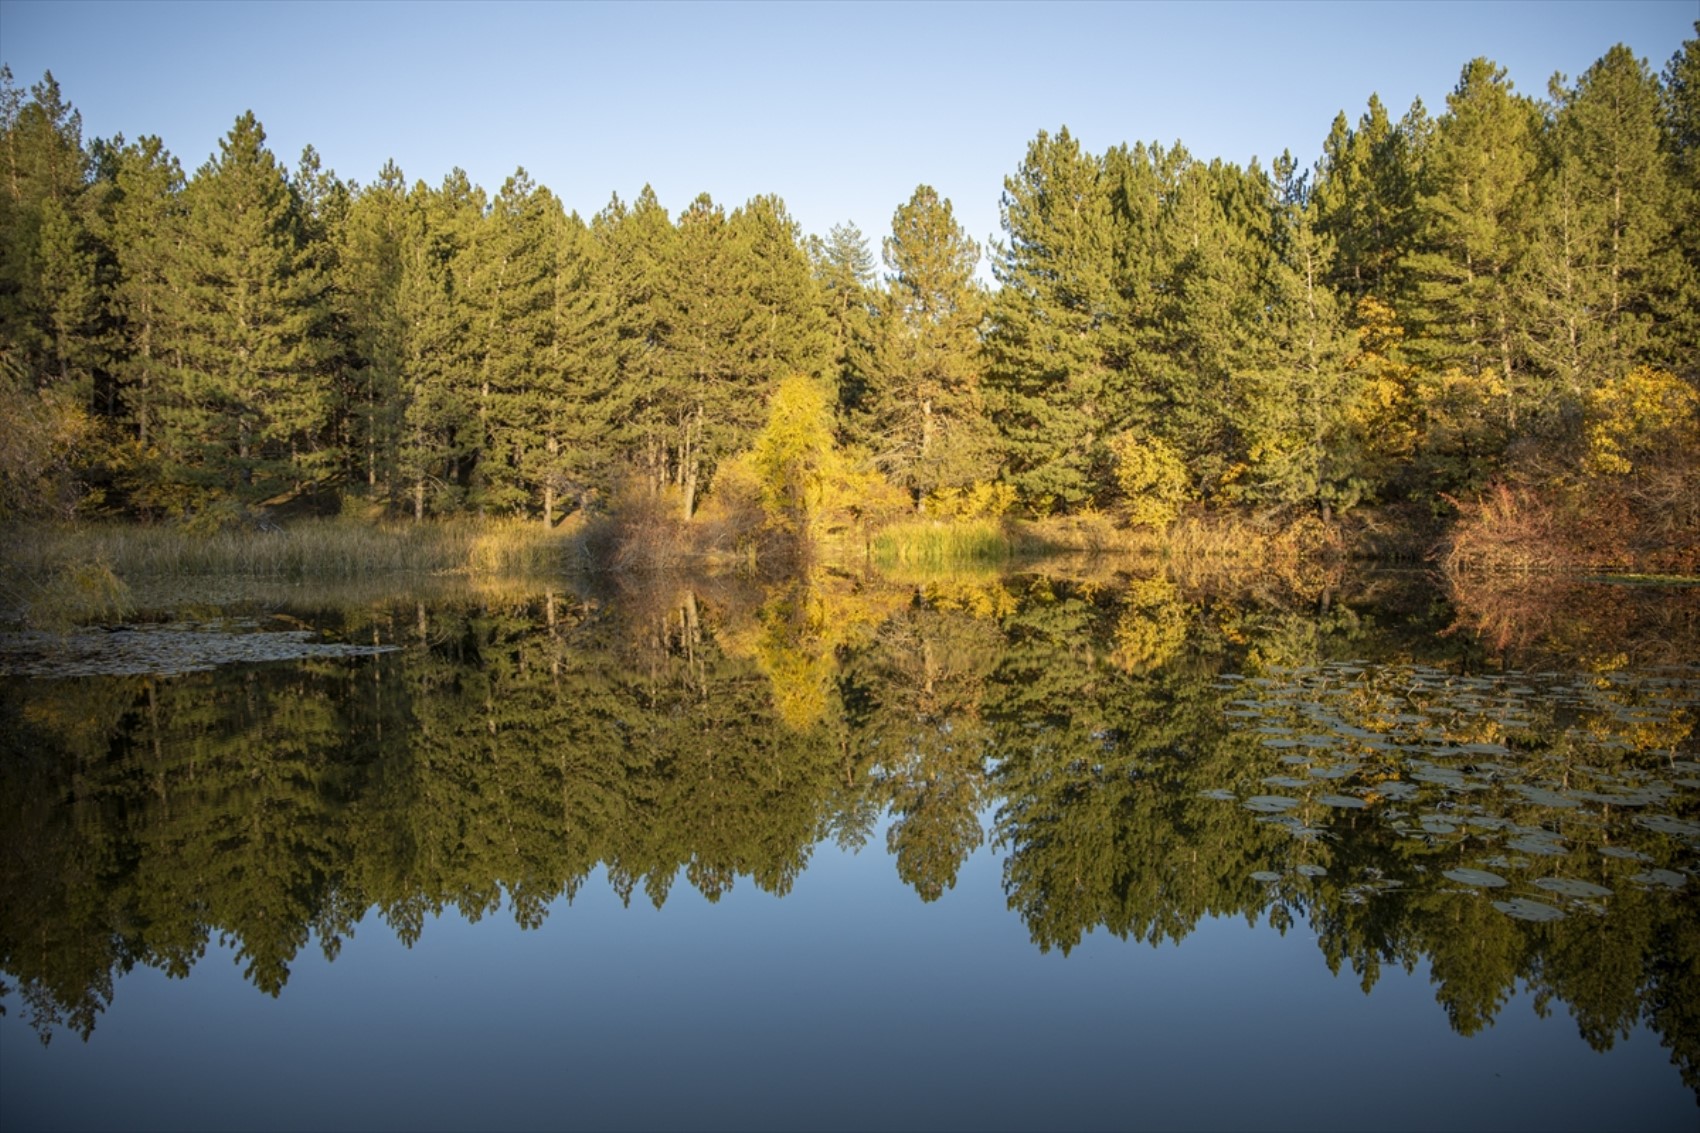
x: 1003, y: 854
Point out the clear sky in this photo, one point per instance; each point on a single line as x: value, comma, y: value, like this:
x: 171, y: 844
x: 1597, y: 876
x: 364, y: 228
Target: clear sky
x: 840, y: 108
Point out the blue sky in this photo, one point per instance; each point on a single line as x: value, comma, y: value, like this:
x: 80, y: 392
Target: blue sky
x: 840, y: 108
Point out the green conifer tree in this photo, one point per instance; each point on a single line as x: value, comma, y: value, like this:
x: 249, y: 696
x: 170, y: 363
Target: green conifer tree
x: 250, y: 406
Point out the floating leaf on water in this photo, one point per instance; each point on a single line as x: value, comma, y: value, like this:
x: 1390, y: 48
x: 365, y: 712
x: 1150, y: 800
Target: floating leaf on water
x: 1279, y: 741
x: 1265, y: 875
x: 1346, y: 801
x: 1570, y: 887
x: 1295, y: 760
x: 1668, y: 824
x: 1690, y: 783
x: 1398, y: 790
x: 1434, y: 825
x: 1625, y: 853
x: 1480, y: 878
x: 1485, y: 749
x: 1285, y: 781
x: 1318, y: 741
x: 1549, y: 844
x: 1270, y: 804
x: 1313, y: 871
x: 1242, y: 712
x: 1540, y: 796
x: 1331, y: 772
x: 1220, y: 794
x: 1661, y: 878
x: 1524, y: 909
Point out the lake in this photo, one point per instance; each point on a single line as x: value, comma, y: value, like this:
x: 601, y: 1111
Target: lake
x: 1064, y: 849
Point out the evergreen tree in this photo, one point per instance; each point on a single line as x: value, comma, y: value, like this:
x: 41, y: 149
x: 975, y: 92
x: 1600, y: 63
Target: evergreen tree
x: 143, y: 226
x: 1472, y: 210
x: 580, y: 453
x: 1679, y: 326
x: 1600, y: 256
x: 637, y: 245
x: 924, y: 401
x: 1295, y: 407
x: 511, y: 294
x: 1046, y: 366
x: 49, y: 304
x: 1215, y: 242
x: 249, y: 409
x: 844, y: 274
x: 370, y: 254
x: 439, y: 441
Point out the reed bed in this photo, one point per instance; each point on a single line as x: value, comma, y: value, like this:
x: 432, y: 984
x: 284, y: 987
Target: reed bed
x: 330, y: 548
x: 936, y: 543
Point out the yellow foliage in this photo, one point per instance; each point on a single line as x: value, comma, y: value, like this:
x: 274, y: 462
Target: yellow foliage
x: 1152, y: 627
x: 1383, y: 412
x: 1154, y: 477
x: 1641, y: 413
x: 980, y: 500
x: 975, y: 597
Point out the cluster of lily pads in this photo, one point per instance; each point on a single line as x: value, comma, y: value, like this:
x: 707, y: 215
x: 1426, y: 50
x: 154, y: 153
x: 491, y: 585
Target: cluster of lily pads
x: 164, y: 649
x: 1513, y: 773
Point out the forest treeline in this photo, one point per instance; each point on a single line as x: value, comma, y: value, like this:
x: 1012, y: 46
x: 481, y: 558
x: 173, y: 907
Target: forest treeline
x: 1505, y: 293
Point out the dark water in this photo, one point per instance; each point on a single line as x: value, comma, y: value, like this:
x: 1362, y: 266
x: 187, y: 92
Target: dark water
x: 1021, y: 852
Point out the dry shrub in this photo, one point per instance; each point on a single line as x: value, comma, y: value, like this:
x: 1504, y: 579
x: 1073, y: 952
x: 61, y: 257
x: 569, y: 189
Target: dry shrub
x: 1514, y: 529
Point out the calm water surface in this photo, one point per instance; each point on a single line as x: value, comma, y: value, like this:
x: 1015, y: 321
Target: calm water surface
x: 843, y: 852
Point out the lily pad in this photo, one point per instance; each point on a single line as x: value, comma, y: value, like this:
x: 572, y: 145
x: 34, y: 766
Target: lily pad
x: 1270, y: 804
x: 1265, y: 875
x: 1308, y: 870
x: 1570, y: 887
x: 1347, y: 802
x: 1541, y: 796
x: 1220, y: 794
x: 1524, y: 909
x: 1284, y: 781
x: 1661, y: 878
x: 1624, y: 853
x: 1480, y: 878
x: 1549, y: 845
x: 1666, y: 824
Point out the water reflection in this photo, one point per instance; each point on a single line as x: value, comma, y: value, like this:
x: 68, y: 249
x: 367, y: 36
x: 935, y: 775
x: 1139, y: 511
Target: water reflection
x: 1411, y: 780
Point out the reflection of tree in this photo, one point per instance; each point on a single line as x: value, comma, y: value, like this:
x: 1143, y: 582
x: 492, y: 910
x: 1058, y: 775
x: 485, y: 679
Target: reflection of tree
x: 518, y: 744
x: 925, y: 739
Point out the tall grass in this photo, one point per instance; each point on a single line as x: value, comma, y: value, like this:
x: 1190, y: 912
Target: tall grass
x: 934, y: 543
x: 328, y: 548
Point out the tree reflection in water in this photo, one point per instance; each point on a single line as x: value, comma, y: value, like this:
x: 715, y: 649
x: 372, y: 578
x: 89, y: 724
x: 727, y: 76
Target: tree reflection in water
x: 1509, y: 800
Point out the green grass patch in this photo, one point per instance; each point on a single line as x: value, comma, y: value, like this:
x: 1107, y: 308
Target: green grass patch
x: 940, y: 543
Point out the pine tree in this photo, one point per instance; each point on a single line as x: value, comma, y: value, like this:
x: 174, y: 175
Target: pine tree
x: 1475, y: 196
x: 924, y: 400
x: 1296, y: 407
x: 49, y: 303
x: 249, y: 407
x: 1046, y: 369
x: 844, y: 274
x: 713, y: 397
x: 1215, y: 242
x: 144, y: 220
x: 439, y: 441
x: 511, y: 295
x: 1679, y: 326
x: 637, y: 245
x: 1601, y: 253
x: 370, y: 254
x: 581, y: 452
